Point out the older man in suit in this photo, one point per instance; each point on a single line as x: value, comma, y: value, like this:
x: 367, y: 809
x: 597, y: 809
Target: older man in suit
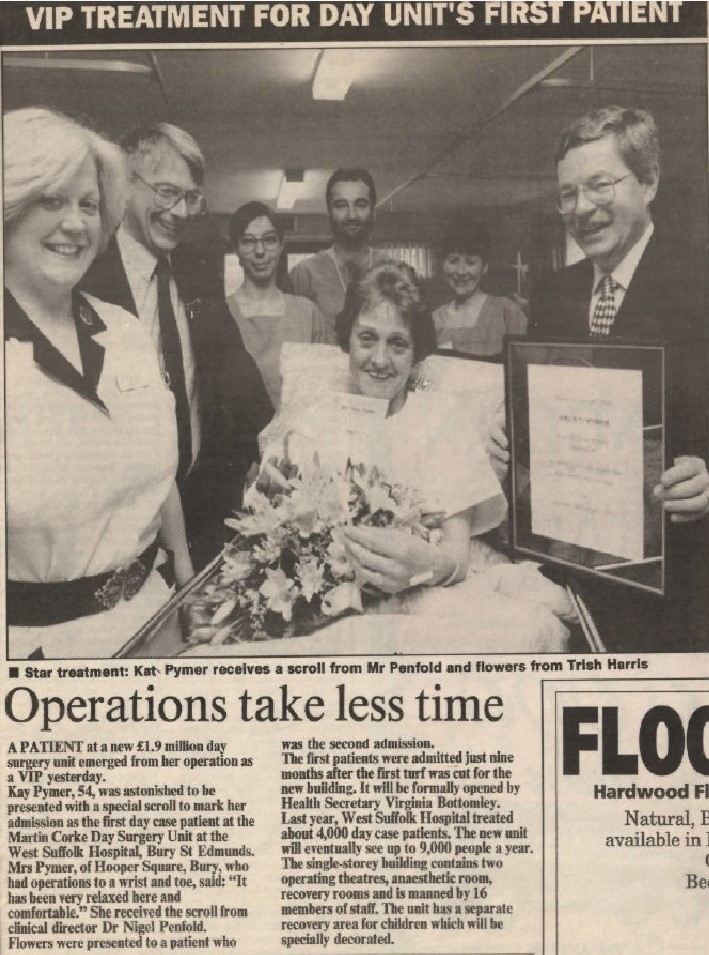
x: 635, y: 285
x: 220, y: 400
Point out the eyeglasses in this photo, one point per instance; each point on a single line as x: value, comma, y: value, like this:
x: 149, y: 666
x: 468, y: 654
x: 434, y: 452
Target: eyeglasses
x: 269, y: 242
x: 601, y: 192
x: 168, y: 196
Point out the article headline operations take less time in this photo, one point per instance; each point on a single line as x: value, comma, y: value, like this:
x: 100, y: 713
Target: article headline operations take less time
x: 24, y: 706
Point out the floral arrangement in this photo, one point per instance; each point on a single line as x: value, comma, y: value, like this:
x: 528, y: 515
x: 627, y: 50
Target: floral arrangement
x: 286, y: 572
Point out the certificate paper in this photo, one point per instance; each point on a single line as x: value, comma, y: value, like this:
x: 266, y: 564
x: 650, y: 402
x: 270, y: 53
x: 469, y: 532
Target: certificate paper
x: 586, y: 457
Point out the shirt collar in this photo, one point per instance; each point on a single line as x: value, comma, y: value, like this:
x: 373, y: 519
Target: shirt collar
x: 19, y: 326
x: 624, y: 272
x: 137, y: 259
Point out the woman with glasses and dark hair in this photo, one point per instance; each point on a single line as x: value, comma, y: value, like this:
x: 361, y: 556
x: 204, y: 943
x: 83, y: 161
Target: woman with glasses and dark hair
x: 473, y: 321
x: 266, y: 316
x: 91, y: 436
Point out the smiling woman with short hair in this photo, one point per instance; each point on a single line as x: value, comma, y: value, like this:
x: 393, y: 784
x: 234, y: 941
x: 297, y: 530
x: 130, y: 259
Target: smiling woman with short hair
x: 383, y: 411
x: 386, y: 329
x: 473, y: 321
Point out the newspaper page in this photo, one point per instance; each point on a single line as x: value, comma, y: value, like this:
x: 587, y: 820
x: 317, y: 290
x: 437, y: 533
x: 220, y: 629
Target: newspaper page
x: 446, y: 689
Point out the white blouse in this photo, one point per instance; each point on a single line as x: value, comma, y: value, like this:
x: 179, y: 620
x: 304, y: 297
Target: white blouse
x: 85, y: 486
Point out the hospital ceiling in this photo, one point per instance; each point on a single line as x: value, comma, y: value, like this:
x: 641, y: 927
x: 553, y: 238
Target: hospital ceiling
x: 439, y: 127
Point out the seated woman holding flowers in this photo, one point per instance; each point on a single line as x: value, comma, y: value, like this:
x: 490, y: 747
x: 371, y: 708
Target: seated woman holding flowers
x: 386, y: 329
x: 423, y: 441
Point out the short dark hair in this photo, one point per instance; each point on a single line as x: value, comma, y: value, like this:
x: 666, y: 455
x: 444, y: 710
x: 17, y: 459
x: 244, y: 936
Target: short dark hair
x: 394, y: 282
x: 634, y: 131
x: 356, y: 174
x: 246, y: 214
x: 465, y: 236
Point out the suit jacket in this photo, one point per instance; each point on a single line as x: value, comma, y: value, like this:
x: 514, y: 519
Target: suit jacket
x: 665, y: 301
x: 234, y: 404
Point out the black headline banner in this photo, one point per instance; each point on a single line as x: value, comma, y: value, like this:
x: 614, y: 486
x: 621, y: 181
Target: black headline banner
x: 105, y: 23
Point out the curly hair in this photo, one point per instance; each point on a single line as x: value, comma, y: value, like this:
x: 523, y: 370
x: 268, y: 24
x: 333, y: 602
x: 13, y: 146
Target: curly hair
x: 396, y: 283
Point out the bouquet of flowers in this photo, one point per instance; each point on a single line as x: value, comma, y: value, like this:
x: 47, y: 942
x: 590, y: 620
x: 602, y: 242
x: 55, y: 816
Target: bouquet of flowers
x: 286, y: 572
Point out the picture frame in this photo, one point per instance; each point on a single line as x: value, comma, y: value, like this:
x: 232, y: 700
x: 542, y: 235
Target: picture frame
x: 587, y: 423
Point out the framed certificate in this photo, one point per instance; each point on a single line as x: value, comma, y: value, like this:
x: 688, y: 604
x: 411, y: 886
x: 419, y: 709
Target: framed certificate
x: 587, y: 426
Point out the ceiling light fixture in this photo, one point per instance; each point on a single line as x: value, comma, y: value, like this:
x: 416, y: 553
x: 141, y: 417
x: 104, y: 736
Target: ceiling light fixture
x: 67, y: 63
x: 333, y: 75
x: 290, y: 189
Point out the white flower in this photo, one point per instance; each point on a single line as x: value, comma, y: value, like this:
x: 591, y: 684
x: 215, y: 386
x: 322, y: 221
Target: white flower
x: 279, y: 592
x: 269, y: 551
x: 343, y: 597
x: 337, y: 556
x: 237, y: 566
x: 263, y: 520
x: 311, y: 574
x: 299, y: 510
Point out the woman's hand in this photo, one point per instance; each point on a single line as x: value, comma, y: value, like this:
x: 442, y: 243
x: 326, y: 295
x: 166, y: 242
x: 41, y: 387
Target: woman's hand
x: 684, y: 490
x: 388, y: 559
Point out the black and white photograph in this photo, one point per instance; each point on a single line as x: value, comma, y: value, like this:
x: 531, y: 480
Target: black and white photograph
x: 257, y: 303
x: 356, y: 430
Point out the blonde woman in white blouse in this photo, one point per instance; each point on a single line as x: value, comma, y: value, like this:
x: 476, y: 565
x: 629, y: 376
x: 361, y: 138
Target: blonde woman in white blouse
x: 91, y: 442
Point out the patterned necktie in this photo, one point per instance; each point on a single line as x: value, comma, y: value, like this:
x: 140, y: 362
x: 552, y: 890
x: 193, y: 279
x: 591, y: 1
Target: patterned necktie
x: 174, y: 367
x: 606, y: 307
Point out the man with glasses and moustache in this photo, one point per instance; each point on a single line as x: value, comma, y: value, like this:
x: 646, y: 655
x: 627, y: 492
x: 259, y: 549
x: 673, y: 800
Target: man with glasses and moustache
x: 350, y: 197
x: 177, y: 295
x: 636, y: 285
